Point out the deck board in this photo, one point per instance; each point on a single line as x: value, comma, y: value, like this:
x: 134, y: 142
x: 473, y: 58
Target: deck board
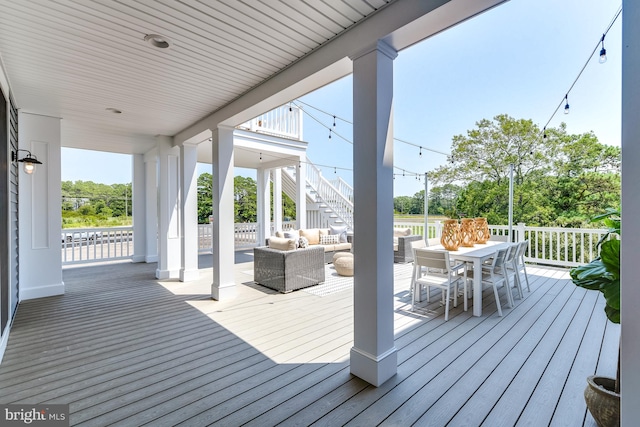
x: 123, y: 348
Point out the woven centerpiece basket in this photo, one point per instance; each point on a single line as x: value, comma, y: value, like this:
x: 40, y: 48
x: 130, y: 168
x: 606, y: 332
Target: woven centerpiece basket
x: 467, y: 232
x: 482, y: 230
x: 450, y: 235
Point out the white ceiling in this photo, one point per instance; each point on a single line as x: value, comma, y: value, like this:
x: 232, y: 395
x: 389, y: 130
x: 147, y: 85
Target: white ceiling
x: 76, y: 58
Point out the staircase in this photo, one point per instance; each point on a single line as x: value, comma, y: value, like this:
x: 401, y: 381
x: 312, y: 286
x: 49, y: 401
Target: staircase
x: 328, y: 202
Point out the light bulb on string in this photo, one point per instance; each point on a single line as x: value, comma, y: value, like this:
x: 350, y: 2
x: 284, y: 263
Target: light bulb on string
x: 260, y: 157
x: 420, y: 154
x: 334, y: 121
x: 544, y: 132
x: 566, y: 105
x: 603, y: 52
x: 329, y: 133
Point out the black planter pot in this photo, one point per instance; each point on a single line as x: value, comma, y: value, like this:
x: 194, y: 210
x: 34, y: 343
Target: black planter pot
x: 602, y: 401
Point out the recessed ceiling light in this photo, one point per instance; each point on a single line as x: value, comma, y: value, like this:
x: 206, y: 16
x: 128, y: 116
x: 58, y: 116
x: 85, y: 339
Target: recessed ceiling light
x: 113, y: 110
x: 156, y: 40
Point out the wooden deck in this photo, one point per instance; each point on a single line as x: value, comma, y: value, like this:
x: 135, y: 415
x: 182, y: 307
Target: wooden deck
x: 124, y: 349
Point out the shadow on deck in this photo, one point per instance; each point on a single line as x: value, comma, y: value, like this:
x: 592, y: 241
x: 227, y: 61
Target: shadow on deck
x: 125, y: 349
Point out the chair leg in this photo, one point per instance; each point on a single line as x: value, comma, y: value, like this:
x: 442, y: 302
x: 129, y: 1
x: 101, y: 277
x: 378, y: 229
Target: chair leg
x: 525, y: 276
x: 446, y: 304
x: 507, y: 286
x: 495, y: 293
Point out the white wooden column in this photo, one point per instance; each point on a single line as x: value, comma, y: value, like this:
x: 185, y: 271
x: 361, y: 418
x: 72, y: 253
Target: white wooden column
x: 189, y: 212
x: 301, y: 193
x: 169, y: 256
x: 223, y: 286
x: 139, y: 208
x: 40, y: 267
x: 373, y: 356
x: 263, y: 199
x: 630, y: 291
x: 277, y: 199
x: 151, y: 167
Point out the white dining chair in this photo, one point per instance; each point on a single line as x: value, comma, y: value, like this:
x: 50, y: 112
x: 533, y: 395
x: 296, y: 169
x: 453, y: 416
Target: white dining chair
x: 519, y: 264
x: 432, y: 268
x: 493, y: 274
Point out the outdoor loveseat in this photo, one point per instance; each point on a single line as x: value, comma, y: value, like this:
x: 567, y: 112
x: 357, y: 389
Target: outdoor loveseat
x: 402, y: 239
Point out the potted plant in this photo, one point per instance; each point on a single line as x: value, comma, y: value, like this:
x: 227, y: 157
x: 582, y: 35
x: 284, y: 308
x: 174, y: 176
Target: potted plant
x: 603, y: 274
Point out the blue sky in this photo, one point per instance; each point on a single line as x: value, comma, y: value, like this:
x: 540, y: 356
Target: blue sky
x: 519, y: 59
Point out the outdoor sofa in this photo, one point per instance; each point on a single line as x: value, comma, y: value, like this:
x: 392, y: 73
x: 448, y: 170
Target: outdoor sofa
x: 402, y: 239
x: 289, y: 269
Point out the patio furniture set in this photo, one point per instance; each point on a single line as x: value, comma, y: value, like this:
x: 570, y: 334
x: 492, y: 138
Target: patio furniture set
x: 495, y: 263
x: 296, y: 259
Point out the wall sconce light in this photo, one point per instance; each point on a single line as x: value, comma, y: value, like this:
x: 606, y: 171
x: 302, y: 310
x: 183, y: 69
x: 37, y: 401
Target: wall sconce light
x: 29, y: 161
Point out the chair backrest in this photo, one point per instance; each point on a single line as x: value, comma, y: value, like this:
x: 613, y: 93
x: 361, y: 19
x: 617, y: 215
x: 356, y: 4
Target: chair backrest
x: 512, y: 251
x: 522, y: 247
x: 499, y: 258
x: 431, y: 259
x: 434, y: 241
x: 417, y: 244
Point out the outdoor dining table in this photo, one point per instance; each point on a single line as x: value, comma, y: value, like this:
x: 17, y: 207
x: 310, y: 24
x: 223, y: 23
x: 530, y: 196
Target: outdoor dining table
x: 477, y: 254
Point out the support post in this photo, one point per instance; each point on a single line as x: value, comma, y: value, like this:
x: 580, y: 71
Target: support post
x: 40, y: 267
x: 189, y: 212
x: 138, y: 187
x: 277, y: 199
x: 263, y: 199
x: 301, y: 192
x: 151, y: 166
x: 169, y: 257
x: 373, y: 355
x: 629, y: 289
x: 223, y: 286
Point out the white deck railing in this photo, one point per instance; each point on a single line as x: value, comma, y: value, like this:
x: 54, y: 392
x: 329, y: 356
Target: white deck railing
x: 328, y: 194
x: 284, y: 121
x: 81, y: 245
x: 563, y: 247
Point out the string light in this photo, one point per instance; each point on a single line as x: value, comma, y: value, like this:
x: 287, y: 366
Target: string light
x: 329, y: 133
x: 420, y: 154
x: 260, y: 157
x: 603, y: 51
x: 602, y: 59
x: 334, y: 121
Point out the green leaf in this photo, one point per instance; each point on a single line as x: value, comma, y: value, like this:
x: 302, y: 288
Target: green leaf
x: 612, y: 314
x: 591, y: 276
x: 610, y: 255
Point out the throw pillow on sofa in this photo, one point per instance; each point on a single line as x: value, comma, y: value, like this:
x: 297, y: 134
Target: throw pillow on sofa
x: 311, y: 234
x: 303, y: 242
x: 330, y: 239
x: 282, y: 243
x: 340, y: 230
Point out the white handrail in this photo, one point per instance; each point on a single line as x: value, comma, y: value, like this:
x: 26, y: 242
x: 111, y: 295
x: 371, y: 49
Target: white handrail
x: 328, y: 194
x: 284, y: 121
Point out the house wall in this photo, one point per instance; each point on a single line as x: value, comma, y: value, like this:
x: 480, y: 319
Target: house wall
x: 9, y: 215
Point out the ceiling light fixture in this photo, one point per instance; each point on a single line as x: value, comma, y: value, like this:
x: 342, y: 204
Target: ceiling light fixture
x: 29, y: 161
x: 156, y: 40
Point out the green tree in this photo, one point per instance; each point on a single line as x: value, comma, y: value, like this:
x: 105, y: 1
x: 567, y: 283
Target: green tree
x: 560, y: 179
x: 205, y: 197
x: 245, y: 194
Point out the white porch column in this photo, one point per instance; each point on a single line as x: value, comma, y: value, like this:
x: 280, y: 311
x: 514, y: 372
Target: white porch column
x: 373, y: 356
x: 263, y: 199
x: 630, y: 292
x: 138, y: 188
x: 40, y: 267
x: 223, y: 286
x: 277, y: 199
x: 189, y: 215
x: 301, y: 193
x: 169, y: 256
x: 151, y: 167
